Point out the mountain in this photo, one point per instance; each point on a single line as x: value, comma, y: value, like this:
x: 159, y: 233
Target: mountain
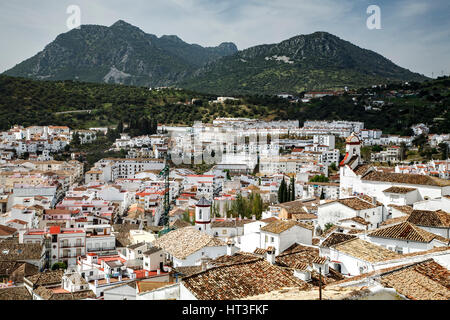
x: 318, y: 61
x: 122, y: 54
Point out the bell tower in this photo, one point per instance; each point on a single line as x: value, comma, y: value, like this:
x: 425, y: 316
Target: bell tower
x: 203, y: 215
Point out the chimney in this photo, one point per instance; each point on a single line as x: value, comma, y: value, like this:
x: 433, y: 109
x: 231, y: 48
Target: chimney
x: 108, y: 280
x: 374, y: 201
x: 270, y: 255
x: 146, y: 274
x: 230, y: 247
x: 96, y: 283
x: 120, y: 278
x: 158, y: 271
x: 253, y: 217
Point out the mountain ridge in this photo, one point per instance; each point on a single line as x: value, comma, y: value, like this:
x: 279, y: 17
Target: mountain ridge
x: 125, y: 54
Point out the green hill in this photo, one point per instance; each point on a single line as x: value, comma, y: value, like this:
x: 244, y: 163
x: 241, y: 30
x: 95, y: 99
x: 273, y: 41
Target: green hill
x: 29, y: 102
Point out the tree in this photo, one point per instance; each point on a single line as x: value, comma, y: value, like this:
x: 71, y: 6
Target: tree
x: 402, y: 151
x: 444, y: 150
x: 328, y: 226
x: 120, y: 127
x: 333, y: 166
x: 283, y: 192
x: 76, y: 141
x: 59, y: 266
x: 292, y: 189
x: 320, y: 178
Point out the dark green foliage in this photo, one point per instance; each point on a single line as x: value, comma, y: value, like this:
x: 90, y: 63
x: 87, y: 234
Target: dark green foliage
x: 59, y: 266
x: 247, y: 207
x: 320, y: 178
x: 121, y: 53
x: 316, y: 61
x: 28, y: 102
x: 283, y: 192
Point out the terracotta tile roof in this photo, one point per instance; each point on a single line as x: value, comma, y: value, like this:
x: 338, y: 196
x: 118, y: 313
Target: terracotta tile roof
x: 282, y: 225
x: 145, y: 286
x: 177, y: 224
x: 52, y: 294
x: 303, y: 216
x: 45, y: 278
x: 293, y: 206
x: 336, y: 238
x: 405, y: 231
x: 365, y: 250
x: 188, y: 271
x: 355, y: 203
x: 427, y: 280
x: 362, y: 169
x: 239, y: 257
x: 13, y: 251
x: 241, y: 280
x: 260, y: 251
x: 404, y: 209
x: 183, y: 242
x: 297, y: 253
x: 328, y: 232
x: 436, y: 219
x: 401, y: 190
x: 415, y: 179
x: 268, y: 220
x: 7, y: 231
x: 122, y: 233
x: 394, y: 221
x: 359, y: 220
x: 319, y: 260
x: 15, y: 293
x: 230, y: 223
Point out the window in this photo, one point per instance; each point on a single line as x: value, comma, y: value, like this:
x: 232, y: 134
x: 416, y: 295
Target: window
x: 272, y: 239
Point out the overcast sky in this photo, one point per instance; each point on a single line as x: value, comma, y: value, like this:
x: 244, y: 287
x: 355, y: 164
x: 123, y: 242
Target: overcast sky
x: 414, y: 34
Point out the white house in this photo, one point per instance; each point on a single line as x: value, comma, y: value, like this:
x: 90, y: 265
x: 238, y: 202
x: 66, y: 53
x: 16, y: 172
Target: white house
x: 282, y: 234
x: 405, y: 238
x: 188, y: 246
x: 437, y: 222
x: 335, y: 211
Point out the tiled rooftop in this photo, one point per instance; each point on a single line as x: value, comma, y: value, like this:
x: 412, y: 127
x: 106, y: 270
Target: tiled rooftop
x: 241, y: 280
x: 405, y: 231
x: 365, y: 250
x: 427, y: 280
x: 281, y: 226
x: 436, y: 219
x: 413, y: 179
x: 183, y: 242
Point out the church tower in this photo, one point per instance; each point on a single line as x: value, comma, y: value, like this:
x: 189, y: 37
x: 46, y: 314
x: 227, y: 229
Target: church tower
x: 353, y: 151
x: 203, y: 215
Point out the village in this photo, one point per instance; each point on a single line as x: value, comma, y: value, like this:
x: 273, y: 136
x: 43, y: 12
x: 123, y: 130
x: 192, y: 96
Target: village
x: 278, y: 212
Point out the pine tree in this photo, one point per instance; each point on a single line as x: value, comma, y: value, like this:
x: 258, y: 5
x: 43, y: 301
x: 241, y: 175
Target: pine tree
x: 292, y: 189
x: 120, y: 127
x: 283, y: 192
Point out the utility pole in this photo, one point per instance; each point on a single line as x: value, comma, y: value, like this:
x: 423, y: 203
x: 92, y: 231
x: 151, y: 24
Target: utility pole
x: 320, y: 283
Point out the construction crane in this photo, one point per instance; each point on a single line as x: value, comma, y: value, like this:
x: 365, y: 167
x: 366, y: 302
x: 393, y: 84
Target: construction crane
x: 164, y: 220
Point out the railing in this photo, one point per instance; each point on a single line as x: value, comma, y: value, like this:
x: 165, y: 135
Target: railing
x: 72, y: 245
x: 100, y: 249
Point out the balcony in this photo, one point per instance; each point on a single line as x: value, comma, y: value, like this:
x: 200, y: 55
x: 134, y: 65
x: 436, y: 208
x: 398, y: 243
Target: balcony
x: 72, y: 245
x: 100, y: 249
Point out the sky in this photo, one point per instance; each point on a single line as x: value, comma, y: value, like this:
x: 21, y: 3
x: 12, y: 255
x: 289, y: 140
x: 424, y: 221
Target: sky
x: 415, y: 34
